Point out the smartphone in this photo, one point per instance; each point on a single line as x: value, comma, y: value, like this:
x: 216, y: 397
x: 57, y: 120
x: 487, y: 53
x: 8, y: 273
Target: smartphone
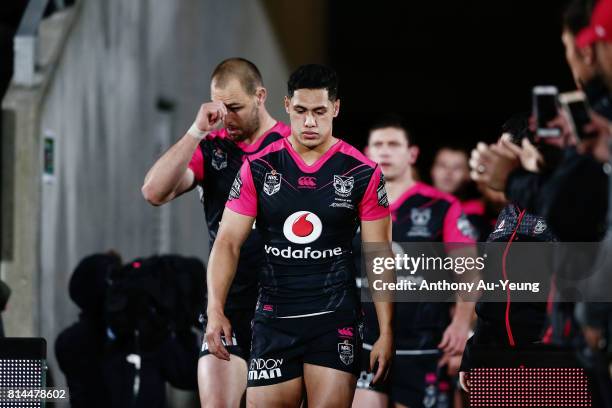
x: 577, y: 109
x: 545, y: 110
x: 518, y: 128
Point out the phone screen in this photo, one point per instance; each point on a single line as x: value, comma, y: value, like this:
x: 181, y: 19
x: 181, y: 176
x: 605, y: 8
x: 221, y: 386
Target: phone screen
x: 546, y: 110
x: 580, y: 116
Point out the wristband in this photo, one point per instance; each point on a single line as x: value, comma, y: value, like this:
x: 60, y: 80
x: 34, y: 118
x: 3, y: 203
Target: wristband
x: 196, y: 133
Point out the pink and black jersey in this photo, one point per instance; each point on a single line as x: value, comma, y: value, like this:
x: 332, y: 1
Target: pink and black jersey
x: 307, y: 216
x: 423, y: 214
x: 476, y: 212
x: 215, y: 164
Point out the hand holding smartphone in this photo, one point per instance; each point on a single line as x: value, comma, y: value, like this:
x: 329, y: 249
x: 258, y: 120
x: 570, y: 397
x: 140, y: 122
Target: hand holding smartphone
x: 577, y: 109
x: 545, y: 110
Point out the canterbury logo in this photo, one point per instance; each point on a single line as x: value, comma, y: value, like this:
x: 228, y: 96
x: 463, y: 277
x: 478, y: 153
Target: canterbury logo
x: 346, y: 332
x: 307, y: 182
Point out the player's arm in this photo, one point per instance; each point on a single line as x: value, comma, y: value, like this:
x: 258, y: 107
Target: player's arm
x: 171, y: 176
x: 460, y: 237
x: 378, y: 233
x: 457, y: 333
x: 233, y: 231
x: 236, y: 224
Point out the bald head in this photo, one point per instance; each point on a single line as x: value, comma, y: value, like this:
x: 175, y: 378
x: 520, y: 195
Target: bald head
x: 237, y: 68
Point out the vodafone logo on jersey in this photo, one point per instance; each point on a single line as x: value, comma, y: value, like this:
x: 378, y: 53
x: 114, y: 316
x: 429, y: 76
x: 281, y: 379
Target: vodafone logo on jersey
x: 302, y: 227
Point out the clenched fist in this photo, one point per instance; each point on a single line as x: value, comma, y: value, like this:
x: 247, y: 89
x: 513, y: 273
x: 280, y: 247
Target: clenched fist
x: 209, y: 117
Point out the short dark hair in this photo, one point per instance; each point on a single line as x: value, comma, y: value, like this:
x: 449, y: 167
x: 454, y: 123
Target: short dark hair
x: 453, y: 148
x: 314, y: 76
x: 392, y: 120
x: 577, y: 15
x: 242, y: 69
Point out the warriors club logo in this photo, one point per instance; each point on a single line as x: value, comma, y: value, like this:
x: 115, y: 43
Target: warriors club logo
x: 219, y: 159
x: 420, y: 218
x: 343, y: 185
x: 302, y: 227
x: 540, y: 227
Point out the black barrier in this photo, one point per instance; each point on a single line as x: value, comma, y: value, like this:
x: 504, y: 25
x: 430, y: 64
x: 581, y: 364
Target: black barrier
x: 22, y: 367
x: 534, y: 376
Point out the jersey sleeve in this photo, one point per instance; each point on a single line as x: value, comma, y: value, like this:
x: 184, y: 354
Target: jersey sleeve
x: 243, y: 197
x: 196, y: 164
x: 457, y: 227
x: 374, y: 204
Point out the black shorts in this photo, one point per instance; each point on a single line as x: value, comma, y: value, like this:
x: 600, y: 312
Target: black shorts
x: 407, y: 383
x: 241, y: 327
x: 281, y: 346
x: 409, y: 375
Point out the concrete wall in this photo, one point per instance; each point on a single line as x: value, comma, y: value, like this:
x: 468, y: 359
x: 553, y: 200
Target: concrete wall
x: 98, y: 101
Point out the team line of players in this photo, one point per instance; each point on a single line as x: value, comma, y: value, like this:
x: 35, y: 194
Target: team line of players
x: 286, y: 209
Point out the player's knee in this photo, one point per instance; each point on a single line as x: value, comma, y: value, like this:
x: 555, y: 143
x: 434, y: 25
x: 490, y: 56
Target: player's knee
x: 221, y: 396
x: 213, y: 400
x: 339, y: 395
x: 257, y: 398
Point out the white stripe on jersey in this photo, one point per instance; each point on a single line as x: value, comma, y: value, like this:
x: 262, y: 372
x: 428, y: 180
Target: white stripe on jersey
x: 304, y: 315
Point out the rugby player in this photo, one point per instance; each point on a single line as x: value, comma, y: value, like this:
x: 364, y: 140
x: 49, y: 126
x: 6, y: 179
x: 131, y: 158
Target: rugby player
x: 450, y: 173
x: 234, y: 125
x: 425, y: 333
x: 308, y: 194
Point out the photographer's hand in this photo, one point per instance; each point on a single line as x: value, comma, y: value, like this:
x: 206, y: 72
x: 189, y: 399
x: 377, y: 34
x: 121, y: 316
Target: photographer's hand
x: 598, y: 145
x: 561, y: 122
x: 567, y: 137
x: 493, y: 164
x: 531, y: 159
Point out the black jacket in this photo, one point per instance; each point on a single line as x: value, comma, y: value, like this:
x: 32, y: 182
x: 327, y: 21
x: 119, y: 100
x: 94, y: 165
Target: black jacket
x: 573, y: 198
x: 509, y: 324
